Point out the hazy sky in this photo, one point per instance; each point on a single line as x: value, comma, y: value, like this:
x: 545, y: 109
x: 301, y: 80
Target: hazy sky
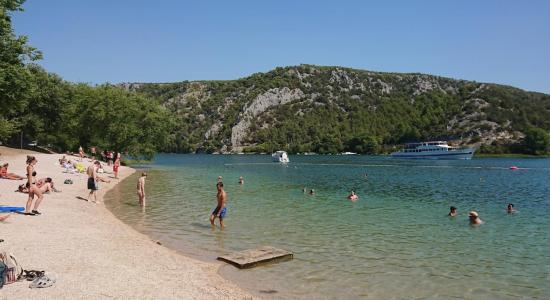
x: 99, y: 41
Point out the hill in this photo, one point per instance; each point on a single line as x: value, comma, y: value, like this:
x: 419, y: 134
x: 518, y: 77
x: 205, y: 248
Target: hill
x: 332, y: 109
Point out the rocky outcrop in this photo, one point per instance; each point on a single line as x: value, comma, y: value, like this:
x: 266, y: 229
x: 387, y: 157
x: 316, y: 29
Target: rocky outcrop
x: 271, y: 98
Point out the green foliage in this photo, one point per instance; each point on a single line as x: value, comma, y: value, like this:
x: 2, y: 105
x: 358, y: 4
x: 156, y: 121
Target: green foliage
x: 346, y: 110
x: 536, y: 141
x: 43, y: 107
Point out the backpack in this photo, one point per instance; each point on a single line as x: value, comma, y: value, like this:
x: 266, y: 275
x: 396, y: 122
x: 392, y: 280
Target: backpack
x: 12, y: 270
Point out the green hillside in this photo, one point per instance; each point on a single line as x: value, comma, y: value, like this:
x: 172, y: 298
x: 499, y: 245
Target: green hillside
x: 321, y: 109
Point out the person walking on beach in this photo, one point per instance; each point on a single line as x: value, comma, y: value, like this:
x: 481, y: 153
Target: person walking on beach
x: 141, y: 189
x: 116, y: 164
x: 220, y: 210
x: 474, y: 218
x: 33, y: 189
x: 80, y: 152
x: 92, y: 177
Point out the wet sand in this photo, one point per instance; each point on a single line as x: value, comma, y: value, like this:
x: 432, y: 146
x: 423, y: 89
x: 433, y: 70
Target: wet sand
x: 92, y: 254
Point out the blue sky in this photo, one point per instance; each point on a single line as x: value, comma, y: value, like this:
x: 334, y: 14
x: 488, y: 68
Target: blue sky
x: 100, y: 41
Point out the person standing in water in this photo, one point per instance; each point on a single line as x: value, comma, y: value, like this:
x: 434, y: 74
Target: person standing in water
x: 141, y: 189
x: 453, y: 212
x: 220, y: 210
x: 510, y: 208
x: 241, y: 180
x: 474, y: 218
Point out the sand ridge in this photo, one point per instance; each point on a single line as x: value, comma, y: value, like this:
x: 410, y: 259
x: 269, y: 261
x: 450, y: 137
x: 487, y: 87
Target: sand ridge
x: 92, y: 253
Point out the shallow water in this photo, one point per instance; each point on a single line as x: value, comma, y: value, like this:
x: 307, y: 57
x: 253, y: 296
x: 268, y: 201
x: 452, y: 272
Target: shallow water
x: 396, y: 242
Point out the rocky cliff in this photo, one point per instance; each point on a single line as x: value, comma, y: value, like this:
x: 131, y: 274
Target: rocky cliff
x: 330, y: 109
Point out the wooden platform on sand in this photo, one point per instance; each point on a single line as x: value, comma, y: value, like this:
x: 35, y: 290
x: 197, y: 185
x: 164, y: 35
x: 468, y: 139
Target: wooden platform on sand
x: 255, y: 257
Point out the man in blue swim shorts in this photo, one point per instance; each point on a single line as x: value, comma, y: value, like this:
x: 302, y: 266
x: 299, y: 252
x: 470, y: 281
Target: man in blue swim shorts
x: 220, y: 210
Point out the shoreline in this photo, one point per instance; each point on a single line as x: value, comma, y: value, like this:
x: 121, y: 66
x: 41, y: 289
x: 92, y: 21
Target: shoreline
x: 91, y: 252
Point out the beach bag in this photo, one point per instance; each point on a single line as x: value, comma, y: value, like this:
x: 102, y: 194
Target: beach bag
x: 68, y: 181
x: 13, y: 270
x: 3, y: 268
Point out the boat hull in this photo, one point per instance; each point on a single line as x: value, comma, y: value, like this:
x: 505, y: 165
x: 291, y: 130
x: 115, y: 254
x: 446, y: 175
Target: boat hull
x: 465, y: 153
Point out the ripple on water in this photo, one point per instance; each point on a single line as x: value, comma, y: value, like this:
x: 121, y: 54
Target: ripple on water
x: 396, y: 242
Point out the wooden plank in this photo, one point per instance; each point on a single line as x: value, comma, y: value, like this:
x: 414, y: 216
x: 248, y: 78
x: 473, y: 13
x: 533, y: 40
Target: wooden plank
x: 254, y: 257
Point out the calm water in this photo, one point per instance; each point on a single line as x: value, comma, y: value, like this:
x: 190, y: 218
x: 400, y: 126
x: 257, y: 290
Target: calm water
x: 395, y: 242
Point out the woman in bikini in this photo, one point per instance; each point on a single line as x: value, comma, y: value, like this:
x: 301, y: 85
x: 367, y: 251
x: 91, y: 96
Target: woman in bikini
x: 33, y: 189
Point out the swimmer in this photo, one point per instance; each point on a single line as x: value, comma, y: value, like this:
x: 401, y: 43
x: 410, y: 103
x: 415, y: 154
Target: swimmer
x: 453, y: 212
x: 312, y: 192
x: 353, y: 196
x: 219, y: 179
x: 304, y: 190
x: 241, y: 180
x: 474, y: 218
x: 510, y: 208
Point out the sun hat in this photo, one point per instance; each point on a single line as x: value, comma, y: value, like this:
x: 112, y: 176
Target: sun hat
x: 473, y: 213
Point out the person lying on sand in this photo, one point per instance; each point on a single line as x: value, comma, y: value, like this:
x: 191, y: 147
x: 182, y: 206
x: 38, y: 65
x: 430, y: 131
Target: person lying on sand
x: 4, y: 173
x: 4, y: 217
x: 41, y: 182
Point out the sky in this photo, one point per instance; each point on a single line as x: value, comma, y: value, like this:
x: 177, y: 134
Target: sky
x: 506, y: 42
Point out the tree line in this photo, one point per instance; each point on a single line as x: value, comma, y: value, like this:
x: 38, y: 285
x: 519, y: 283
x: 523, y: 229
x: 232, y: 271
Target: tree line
x: 38, y: 105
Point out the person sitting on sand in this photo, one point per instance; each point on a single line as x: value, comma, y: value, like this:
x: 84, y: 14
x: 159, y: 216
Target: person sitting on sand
x: 220, y: 210
x: 141, y: 189
x: 3, y: 217
x: 510, y: 208
x: 352, y: 196
x: 62, y: 160
x: 474, y: 218
x: 453, y: 212
x: 4, y: 173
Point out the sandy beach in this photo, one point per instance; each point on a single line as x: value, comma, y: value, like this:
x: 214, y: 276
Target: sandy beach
x: 92, y: 254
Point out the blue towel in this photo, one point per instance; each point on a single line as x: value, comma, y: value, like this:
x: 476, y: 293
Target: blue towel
x: 11, y: 209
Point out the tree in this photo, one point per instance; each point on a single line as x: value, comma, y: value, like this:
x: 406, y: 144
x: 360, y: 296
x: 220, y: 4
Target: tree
x: 536, y: 141
x: 15, y: 78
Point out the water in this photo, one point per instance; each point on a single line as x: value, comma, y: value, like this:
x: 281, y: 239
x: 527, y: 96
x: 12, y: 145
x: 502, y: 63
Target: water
x: 396, y: 242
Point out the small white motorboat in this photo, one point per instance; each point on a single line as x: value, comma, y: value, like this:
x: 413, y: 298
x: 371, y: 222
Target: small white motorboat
x: 280, y: 156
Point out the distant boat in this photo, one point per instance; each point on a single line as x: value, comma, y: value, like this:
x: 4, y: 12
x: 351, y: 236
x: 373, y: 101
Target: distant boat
x: 349, y: 153
x: 434, y: 150
x: 280, y: 156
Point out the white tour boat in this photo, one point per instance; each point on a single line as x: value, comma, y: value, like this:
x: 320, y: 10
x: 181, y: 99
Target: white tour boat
x: 280, y: 156
x: 434, y: 150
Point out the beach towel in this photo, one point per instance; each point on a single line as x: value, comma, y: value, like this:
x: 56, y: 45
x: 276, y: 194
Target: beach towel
x: 11, y: 208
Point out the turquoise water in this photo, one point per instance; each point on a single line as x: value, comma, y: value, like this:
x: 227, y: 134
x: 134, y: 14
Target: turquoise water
x: 396, y: 242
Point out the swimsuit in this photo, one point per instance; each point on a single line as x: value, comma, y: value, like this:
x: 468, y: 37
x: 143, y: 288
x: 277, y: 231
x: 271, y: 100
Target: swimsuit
x: 222, y: 214
x: 91, y: 184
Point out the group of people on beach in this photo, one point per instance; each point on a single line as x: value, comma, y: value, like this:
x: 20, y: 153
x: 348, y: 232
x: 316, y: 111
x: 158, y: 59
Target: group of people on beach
x: 473, y: 216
